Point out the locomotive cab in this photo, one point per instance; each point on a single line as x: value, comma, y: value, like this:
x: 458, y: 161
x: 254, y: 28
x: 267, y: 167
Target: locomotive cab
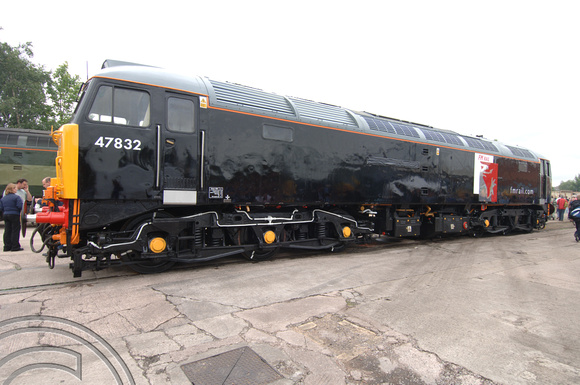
x: 121, y: 156
x: 134, y: 151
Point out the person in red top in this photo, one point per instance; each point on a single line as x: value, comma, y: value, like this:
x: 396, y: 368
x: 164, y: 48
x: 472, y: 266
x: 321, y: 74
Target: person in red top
x: 561, y: 204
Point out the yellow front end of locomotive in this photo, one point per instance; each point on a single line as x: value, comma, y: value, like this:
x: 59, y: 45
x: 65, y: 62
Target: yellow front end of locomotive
x: 67, y: 164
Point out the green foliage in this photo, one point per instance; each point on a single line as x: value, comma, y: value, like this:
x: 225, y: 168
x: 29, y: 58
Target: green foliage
x: 22, y: 88
x: 62, y: 90
x: 31, y: 97
x: 573, y: 184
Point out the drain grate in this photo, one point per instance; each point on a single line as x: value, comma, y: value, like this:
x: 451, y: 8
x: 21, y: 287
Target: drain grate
x: 240, y: 366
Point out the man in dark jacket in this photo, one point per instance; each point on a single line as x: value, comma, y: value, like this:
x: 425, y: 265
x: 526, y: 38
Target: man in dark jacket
x: 574, y: 204
x: 10, y: 206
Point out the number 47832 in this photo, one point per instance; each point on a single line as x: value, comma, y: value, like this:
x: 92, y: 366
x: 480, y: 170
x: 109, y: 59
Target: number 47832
x: 118, y: 143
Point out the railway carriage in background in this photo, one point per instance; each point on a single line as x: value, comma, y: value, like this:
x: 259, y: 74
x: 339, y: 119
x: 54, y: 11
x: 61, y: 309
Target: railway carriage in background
x: 157, y: 168
x: 27, y: 154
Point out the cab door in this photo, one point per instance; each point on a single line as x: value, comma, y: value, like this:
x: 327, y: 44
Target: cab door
x: 545, y: 182
x: 178, y: 140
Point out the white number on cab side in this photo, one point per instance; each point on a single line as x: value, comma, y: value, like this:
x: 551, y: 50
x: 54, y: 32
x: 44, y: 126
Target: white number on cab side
x: 118, y: 143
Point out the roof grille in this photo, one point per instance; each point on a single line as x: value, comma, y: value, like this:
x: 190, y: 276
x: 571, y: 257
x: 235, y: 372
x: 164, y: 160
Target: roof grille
x: 442, y: 137
x: 480, y: 144
x: 251, y: 97
x: 521, y: 152
x: 324, y: 112
x: 391, y: 127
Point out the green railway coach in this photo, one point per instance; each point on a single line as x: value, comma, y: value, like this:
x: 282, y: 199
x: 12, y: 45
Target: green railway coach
x: 28, y: 154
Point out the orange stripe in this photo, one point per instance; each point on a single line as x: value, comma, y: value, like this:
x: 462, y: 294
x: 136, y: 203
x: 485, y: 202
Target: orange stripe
x: 26, y: 149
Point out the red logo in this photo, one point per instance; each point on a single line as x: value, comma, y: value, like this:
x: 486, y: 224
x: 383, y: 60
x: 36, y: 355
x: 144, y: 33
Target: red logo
x: 488, y: 182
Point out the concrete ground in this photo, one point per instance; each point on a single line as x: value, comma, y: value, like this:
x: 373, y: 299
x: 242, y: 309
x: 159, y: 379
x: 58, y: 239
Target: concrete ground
x: 491, y: 310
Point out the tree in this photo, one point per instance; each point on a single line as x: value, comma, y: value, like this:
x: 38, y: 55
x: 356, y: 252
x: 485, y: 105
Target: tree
x: 62, y: 90
x: 573, y: 184
x: 22, y: 88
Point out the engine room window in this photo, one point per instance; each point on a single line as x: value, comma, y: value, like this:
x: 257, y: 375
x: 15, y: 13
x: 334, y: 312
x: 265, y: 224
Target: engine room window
x: 12, y: 139
x: 180, y: 115
x: 284, y: 134
x: 121, y: 106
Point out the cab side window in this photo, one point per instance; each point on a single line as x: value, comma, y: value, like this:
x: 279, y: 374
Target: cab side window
x: 180, y: 115
x: 121, y: 106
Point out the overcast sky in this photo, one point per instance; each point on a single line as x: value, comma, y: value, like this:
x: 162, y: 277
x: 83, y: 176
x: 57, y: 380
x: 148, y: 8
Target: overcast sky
x: 507, y: 70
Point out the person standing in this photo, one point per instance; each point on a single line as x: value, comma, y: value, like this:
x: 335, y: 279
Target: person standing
x: 11, y: 205
x: 561, y: 204
x: 22, y: 190
x: 575, y: 215
x: 45, y: 185
x: 46, y: 182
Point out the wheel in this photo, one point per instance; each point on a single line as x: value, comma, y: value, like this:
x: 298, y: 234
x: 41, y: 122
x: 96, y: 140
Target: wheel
x: 149, y: 265
x: 244, y: 236
x: 338, y: 248
x: 152, y: 266
x: 259, y: 255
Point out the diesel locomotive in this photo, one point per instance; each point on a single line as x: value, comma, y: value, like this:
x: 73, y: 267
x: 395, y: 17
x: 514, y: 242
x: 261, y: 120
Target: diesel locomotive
x: 157, y: 168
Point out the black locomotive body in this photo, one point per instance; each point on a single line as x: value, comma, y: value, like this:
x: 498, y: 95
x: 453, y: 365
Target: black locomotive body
x: 157, y: 168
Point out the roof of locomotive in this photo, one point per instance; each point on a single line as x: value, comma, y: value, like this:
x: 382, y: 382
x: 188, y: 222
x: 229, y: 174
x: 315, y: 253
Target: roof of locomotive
x: 252, y: 100
x: 24, y: 131
x: 24, y: 137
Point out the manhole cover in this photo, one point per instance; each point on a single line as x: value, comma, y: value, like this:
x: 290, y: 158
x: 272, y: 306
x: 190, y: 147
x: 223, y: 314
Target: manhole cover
x: 239, y: 366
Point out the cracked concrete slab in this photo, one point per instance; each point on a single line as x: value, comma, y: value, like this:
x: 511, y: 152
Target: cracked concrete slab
x: 151, y: 344
x: 198, y: 310
x: 222, y: 326
x: 278, y: 316
x: 456, y: 311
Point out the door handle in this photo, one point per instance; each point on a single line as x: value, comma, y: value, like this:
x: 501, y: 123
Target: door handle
x: 201, y: 158
x: 158, y: 171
